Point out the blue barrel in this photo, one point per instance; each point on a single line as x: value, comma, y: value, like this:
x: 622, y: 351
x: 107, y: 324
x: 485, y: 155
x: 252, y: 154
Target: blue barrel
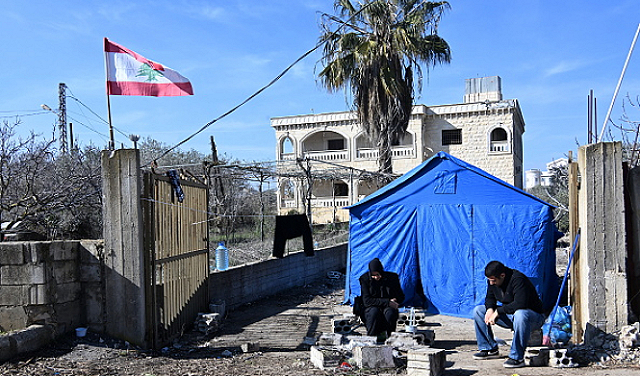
x: 222, y: 257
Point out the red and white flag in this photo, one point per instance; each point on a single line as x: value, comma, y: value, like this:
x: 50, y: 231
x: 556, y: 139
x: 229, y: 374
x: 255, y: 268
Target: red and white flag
x: 129, y: 73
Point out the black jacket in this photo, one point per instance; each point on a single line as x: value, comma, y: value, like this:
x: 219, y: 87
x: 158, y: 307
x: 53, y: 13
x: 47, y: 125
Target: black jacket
x: 379, y: 293
x: 516, y: 292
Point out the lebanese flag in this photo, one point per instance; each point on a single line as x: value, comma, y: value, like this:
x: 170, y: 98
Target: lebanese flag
x: 129, y: 73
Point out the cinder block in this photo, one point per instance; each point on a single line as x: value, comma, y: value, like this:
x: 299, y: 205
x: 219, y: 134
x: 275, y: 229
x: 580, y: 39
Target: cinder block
x: 12, y: 318
x: 69, y: 316
x: 65, y: 271
x: 537, y: 356
x: 90, y: 272
x: 330, y: 339
x: 373, y: 356
x: 39, y: 314
x: 426, y: 362
x: 64, y: 250
x: 12, y: 253
x: 425, y: 337
x: 558, y: 358
x: 67, y: 292
x: 354, y: 340
x: 250, y: 347
x: 401, y: 340
x: 39, y: 294
x: 13, y: 295
x: 325, y: 357
x: 37, y: 252
x: 341, y: 325
x: 22, y: 275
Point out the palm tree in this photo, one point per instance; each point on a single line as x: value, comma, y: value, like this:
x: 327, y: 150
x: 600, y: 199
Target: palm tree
x: 375, y: 48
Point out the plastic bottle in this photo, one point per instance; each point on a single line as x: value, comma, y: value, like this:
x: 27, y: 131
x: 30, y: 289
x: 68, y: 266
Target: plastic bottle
x: 222, y: 257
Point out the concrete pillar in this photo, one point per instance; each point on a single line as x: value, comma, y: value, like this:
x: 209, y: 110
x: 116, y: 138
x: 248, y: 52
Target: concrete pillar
x: 633, y: 189
x: 602, y: 276
x: 122, y: 228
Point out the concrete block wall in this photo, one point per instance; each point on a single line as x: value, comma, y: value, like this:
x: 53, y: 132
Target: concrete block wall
x: 250, y: 282
x: 50, y: 283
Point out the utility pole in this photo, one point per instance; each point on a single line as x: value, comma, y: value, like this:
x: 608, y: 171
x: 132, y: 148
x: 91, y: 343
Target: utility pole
x: 62, y: 116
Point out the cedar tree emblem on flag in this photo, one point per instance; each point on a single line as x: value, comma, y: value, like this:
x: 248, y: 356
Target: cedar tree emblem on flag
x: 129, y: 73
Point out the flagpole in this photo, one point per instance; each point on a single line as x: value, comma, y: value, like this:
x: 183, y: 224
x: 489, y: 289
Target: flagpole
x: 111, y: 138
x: 112, y: 142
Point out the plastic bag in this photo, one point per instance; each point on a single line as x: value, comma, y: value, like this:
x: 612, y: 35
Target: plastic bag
x: 558, y: 329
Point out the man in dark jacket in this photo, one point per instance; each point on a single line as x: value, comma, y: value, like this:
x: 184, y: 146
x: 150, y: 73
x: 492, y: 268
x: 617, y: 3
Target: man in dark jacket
x: 381, y: 295
x: 521, y: 311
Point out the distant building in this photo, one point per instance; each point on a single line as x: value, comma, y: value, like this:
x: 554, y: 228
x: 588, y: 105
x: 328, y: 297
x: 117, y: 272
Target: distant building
x: 535, y: 177
x: 485, y: 130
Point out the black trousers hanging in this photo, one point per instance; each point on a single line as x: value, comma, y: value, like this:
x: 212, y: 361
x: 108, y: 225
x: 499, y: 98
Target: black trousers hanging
x: 289, y: 227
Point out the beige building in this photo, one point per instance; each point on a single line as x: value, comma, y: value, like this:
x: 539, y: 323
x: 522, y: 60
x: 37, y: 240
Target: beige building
x: 485, y: 130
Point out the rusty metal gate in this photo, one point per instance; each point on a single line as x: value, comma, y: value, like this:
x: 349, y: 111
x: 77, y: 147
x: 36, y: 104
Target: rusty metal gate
x: 176, y: 247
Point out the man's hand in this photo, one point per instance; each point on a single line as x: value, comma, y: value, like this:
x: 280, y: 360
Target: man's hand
x: 393, y: 303
x: 491, y: 316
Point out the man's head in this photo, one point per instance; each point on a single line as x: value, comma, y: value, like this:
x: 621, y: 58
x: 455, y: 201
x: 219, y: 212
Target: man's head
x: 375, y: 269
x: 495, y: 271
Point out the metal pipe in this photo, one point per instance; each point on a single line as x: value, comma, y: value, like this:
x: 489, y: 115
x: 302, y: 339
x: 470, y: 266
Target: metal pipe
x: 615, y: 93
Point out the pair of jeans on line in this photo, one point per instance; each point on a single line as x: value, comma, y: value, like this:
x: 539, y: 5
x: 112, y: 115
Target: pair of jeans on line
x: 522, y: 322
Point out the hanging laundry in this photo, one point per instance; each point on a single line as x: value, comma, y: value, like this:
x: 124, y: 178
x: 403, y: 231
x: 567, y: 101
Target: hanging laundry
x: 175, y: 183
x: 289, y: 227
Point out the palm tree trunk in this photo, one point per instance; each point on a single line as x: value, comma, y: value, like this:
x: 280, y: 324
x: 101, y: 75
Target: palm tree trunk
x: 384, y: 151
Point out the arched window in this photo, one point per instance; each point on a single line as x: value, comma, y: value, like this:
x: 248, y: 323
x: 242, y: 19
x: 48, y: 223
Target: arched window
x: 499, y: 140
x: 287, y: 145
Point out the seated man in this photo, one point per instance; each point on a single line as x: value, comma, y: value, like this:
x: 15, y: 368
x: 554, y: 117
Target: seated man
x: 521, y: 311
x: 381, y: 295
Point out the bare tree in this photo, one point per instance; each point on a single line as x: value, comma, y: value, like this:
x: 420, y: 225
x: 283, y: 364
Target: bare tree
x: 629, y: 128
x: 55, y: 195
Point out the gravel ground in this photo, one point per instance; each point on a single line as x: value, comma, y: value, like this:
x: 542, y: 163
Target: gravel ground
x: 281, y: 325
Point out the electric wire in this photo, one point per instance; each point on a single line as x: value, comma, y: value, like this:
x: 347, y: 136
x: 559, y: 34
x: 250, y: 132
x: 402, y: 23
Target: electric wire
x: 277, y: 78
x: 94, y: 113
x: 23, y: 115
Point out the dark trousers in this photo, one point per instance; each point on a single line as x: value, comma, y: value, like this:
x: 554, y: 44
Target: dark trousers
x: 378, y: 320
x: 289, y: 227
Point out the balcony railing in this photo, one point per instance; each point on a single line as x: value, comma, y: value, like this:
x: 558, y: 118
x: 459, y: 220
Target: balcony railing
x: 288, y: 157
x: 325, y: 202
x: 329, y: 202
x: 499, y: 146
x: 328, y: 155
x: 397, y: 152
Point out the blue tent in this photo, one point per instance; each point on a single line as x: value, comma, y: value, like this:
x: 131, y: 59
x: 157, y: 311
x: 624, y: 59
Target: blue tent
x: 439, y: 225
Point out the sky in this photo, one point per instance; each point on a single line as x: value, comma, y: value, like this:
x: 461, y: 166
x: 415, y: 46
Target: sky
x: 549, y: 54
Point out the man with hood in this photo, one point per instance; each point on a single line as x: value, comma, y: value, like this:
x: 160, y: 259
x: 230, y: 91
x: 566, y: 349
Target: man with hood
x: 381, y: 295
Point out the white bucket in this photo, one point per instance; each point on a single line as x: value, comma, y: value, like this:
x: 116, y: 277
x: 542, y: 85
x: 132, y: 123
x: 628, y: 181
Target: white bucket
x: 81, y: 332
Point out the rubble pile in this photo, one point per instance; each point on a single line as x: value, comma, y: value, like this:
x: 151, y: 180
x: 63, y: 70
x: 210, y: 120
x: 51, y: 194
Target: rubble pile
x: 208, y: 323
x: 345, y: 349
x: 618, y: 349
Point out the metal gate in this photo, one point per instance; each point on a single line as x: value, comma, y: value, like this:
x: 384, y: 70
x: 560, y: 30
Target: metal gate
x: 176, y: 247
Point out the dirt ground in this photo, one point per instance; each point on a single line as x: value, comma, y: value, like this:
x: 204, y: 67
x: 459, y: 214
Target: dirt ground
x: 282, y: 326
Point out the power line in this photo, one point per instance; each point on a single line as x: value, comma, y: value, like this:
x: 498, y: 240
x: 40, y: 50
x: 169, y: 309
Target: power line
x: 287, y: 69
x: 72, y: 96
x: 23, y: 115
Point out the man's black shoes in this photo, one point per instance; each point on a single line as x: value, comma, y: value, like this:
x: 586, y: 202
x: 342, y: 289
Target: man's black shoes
x: 512, y: 363
x: 487, y: 354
